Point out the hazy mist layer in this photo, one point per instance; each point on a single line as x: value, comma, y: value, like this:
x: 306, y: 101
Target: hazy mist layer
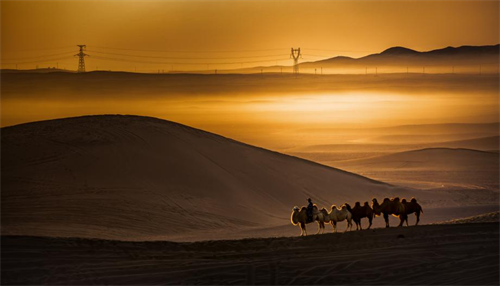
x: 273, y: 111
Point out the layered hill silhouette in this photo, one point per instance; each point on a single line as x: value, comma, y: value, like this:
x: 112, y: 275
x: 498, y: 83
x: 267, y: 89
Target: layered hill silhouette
x: 400, y: 56
x: 130, y: 177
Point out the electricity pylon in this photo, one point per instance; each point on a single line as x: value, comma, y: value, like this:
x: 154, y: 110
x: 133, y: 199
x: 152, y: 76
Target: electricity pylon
x: 81, y: 58
x: 295, y: 54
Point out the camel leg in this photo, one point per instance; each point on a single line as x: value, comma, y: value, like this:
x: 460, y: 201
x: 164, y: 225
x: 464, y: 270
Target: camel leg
x: 335, y: 226
x: 401, y: 220
x: 406, y: 219
x: 386, y: 218
x: 303, y: 229
x: 347, y: 227
x: 417, y: 214
x: 370, y: 219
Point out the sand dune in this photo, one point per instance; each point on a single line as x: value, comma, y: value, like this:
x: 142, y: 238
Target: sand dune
x: 461, y: 254
x: 488, y: 217
x: 440, y: 167
x: 331, y: 153
x: 483, y: 144
x: 129, y: 177
x: 432, y: 159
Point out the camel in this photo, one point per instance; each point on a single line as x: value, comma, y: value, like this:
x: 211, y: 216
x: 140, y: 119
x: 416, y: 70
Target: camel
x: 390, y: 207
x: 299, y: 217
x: 412, y: 207
x: 341, y: 214
x: 359, y: 212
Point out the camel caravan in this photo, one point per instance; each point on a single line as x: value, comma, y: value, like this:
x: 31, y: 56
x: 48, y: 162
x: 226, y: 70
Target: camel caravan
x: 395, y: 207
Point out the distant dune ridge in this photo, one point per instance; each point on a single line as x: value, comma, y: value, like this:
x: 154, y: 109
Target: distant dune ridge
x: 433, y: 159
x: 442, y: 168
x: 130, y: 177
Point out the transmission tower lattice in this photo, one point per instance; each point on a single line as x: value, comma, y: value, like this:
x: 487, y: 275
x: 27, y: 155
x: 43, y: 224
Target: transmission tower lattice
x: 295, y: 54
x: 81, y: 58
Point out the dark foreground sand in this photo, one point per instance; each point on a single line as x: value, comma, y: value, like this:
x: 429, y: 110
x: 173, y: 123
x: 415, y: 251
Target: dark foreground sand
x: 466, y: 253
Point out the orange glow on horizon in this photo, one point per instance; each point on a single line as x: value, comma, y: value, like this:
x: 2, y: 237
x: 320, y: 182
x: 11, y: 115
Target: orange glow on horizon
x: 241, y: 29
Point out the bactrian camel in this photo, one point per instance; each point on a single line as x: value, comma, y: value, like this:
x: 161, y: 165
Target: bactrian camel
x: 337, y: 215
x: 390, y: 207
x: 299, y: 217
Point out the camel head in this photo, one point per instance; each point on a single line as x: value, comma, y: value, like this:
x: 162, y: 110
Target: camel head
x: 295, y: 209
x: 348, y: 207
x: 376, y: 207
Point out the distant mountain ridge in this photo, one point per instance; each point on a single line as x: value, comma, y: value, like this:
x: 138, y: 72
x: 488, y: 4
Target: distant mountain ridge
x: 448, y: 51
x: 463, y: 59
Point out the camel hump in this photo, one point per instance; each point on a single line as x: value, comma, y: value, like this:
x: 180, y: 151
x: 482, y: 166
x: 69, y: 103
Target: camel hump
x: 413, y: 200
x: 403, y: 201
x: 303, y: 208
x: 386, y: 199
x: 366, y: 204
x: 357, y: 204
x: 396, y: 199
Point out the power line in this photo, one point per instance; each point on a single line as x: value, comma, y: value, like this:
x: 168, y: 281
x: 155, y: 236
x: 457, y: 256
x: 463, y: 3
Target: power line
x: 187, y: 63
x: 43, y: 56
x: 318, y: 56
x: 38, y: 61
x: 192, y: 52
x: 348, y: 51
x: 46, y: 49
x: 177, y: 58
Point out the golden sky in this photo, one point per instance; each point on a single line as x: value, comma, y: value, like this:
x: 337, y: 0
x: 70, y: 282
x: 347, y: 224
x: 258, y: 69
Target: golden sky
x: 218, y: 31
